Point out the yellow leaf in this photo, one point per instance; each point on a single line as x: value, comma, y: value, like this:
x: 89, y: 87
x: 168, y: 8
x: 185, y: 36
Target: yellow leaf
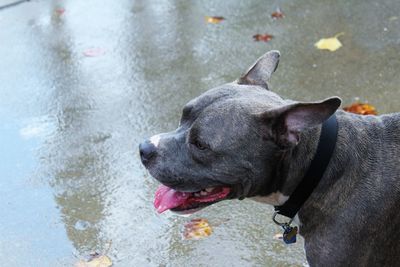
x: 197, y: 228
x: 213, y: 20
x: 331, y: 44
x: 100, y: 261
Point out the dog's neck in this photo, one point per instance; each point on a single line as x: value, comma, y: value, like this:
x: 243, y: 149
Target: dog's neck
x: 291, y: 169
x: 297, y: 161
x: 315, y: 171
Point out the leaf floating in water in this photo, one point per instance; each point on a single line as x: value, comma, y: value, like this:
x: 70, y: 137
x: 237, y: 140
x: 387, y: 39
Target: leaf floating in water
x: 332, y: 44
x: 59, y: 11
x: 214, y: 20
x: 197, y: 229
x: 94, y: 52
x: 97, y: 261
x: 263, y: 37
x: 361, y: 108
x: 278, y: 14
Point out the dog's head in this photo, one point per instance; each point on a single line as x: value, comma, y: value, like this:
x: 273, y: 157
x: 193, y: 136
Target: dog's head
x: 229, y: 141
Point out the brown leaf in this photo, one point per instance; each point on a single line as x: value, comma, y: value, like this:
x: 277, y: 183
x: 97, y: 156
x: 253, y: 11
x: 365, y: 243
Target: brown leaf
x: 278, y: 14
x: 197, y: 228
x: 263, y: 37
x: 214, y: 20
x: 361, y: 108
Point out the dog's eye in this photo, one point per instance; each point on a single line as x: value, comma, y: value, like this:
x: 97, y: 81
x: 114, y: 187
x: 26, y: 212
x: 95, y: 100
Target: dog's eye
x: 199, y: 145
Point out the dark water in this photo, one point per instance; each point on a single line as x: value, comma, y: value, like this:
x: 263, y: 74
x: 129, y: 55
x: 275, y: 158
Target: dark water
x: 71, y: 179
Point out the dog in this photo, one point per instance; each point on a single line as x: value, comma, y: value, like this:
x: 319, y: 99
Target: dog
x: 241, y: 140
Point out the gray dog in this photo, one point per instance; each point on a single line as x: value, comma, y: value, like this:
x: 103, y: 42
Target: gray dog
x: 338, y: 172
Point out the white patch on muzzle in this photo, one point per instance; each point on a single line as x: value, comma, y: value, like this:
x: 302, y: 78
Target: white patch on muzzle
x: 155, y: 140
x: 276, y: 199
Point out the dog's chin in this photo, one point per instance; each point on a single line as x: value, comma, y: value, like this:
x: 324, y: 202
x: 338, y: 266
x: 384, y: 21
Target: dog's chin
x: 195, y: 207
x: 187, y: 211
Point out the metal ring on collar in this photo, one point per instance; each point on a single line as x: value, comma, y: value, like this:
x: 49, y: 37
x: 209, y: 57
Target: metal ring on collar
x: 280, y: 223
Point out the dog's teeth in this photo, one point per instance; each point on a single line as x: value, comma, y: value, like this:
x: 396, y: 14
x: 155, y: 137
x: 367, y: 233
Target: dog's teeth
x: 209, y: 189
x: 196, y: 194
x: 203, y: 193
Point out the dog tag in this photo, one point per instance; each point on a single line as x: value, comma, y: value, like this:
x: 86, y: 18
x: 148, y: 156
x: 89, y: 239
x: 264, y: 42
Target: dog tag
x: 289, y: 235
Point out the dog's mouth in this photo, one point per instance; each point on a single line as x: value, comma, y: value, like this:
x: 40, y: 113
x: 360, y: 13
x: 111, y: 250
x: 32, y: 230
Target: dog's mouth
x: 167, y: 198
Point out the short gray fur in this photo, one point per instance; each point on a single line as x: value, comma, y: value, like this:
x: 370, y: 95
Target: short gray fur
x: 259, y: 143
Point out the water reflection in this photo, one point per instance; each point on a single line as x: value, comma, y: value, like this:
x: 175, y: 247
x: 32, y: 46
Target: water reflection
x: 73, y: 157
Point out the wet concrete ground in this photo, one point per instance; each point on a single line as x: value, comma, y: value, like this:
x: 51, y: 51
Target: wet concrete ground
x: 71, y: 178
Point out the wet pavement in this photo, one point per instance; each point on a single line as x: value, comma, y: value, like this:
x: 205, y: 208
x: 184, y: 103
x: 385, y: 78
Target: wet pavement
x: 82, y: 83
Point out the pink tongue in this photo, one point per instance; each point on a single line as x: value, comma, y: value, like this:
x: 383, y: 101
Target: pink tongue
x: 167, y: 198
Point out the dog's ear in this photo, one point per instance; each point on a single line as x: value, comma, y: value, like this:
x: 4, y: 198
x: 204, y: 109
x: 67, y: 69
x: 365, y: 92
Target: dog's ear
x: 285, y: 123
x: 261, y: 71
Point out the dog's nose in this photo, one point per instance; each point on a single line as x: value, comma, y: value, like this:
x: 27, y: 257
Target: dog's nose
x: 147, y: 151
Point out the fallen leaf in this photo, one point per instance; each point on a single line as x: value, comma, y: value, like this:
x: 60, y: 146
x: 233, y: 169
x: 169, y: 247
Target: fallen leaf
x: 214, y: 20
x: 361, y: 108
x: 94, y: 52
x: 263, y: 37
x: 393, y: 18
x: 277, y: 14
x: 59, y: 11
x: 98, y: 261
x: 331, y: 44
x: 197, y: 229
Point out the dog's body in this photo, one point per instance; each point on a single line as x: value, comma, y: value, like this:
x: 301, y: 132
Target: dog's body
x: 352, y: 217
x: 242, y: 140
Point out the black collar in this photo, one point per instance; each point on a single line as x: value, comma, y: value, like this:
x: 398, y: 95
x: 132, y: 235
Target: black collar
x: 326, y: 145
